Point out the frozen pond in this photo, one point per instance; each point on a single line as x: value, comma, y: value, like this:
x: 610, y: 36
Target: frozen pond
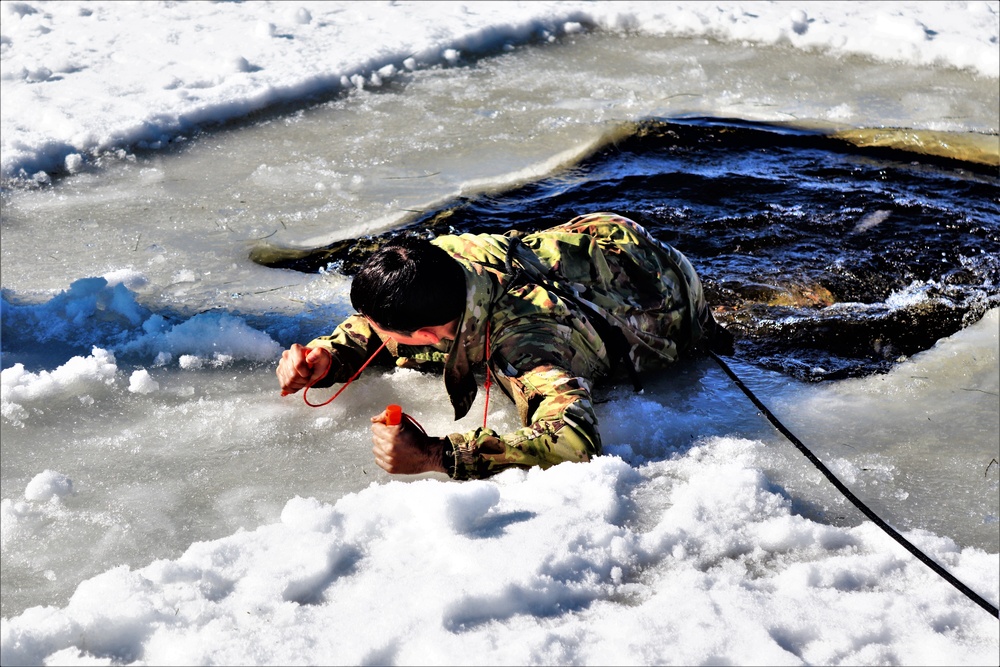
x: 154, y: 391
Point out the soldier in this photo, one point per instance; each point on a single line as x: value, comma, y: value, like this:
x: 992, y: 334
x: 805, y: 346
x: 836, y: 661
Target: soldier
x: 548, y: 314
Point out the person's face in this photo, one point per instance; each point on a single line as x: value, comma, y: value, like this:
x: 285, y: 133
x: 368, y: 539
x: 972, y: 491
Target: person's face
x: 402, y: 339
x: 424, y: 336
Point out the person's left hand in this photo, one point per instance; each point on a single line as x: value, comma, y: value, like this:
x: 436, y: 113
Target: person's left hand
x: 404, y: 449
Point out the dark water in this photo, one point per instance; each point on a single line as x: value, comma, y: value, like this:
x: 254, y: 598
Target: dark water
x: 825, y: 259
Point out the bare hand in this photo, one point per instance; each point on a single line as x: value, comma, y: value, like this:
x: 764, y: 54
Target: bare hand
x: 301, y: 366
x: 404, y: 449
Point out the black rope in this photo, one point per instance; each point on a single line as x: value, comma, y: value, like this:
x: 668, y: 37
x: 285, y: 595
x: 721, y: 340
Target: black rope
x: 921, y: 556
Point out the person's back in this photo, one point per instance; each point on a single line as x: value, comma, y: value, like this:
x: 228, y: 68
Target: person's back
x: 608, y: 265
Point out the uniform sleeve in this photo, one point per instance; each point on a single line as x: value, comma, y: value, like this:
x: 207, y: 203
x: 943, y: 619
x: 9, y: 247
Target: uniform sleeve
x: 351, y: 343
x: 557, y: 409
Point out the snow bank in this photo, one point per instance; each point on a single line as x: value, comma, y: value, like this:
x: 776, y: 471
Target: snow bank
x: 83, y: 79
x: 598, y: 563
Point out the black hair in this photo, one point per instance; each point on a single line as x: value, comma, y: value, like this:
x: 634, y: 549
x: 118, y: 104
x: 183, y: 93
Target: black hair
x: 408, y: 284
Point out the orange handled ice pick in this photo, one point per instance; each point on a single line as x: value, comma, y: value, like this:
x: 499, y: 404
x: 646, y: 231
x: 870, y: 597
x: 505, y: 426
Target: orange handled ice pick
x: 393, y: 415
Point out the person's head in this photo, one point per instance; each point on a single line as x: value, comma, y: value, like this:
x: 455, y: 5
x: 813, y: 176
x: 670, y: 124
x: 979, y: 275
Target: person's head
x: 408, y: 284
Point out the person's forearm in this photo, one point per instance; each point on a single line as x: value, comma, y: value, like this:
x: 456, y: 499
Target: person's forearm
x: 353, y: 332
x: 349, y: 343
x: 565, y: 429
x: 484, y: 453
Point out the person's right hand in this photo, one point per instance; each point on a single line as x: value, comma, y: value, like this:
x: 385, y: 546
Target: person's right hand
x: 301, y: 366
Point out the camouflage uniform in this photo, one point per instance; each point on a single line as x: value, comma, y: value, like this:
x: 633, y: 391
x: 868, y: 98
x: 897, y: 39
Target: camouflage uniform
x: 564, y: 307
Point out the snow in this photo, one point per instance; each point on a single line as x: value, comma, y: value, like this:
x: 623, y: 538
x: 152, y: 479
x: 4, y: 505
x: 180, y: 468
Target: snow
x: 536, y: 567
x: 48, y: 485
x: 84, y: 78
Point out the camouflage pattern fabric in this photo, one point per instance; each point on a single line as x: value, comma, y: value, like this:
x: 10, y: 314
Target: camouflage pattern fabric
x: 541, y: 294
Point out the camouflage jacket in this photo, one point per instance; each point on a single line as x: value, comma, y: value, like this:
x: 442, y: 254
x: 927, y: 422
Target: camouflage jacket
x: 564, y: 308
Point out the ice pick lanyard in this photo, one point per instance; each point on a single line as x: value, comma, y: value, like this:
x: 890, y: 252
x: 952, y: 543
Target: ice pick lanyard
x: 309, y: 386
x: 392, y: 410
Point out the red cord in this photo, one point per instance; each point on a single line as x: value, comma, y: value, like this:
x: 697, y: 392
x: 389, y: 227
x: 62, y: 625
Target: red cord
x: 489, y: 378
x: 487, y: 384
x: 352, y: 379
x: 414, y: 422
x: 394, y: 416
